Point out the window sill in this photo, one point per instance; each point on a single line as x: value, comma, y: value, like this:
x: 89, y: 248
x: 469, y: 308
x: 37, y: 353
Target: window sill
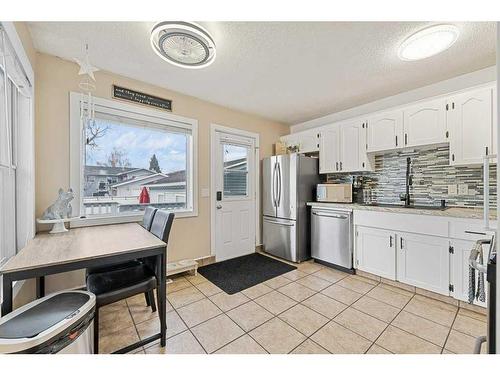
x: 107, y: 220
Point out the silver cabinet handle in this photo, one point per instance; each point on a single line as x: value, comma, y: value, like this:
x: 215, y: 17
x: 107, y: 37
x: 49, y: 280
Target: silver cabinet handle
x: 336, y: 165
x: 401, y: 242
x: 340, y: 165
x: 390, y: 241
x: 219, y: 206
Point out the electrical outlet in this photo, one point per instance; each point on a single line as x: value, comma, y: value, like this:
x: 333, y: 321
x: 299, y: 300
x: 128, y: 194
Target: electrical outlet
x: 452, y: 190
x: 463, y: 189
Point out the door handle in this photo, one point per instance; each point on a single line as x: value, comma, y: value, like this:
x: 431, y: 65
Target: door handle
x: 390, y: 241
x: 279, y: 184
x: 336, y: 165
x: 219, y: 206
x: 340, y: 165
x: 274, y: 184
x: 401, y: 242
x: 278, y: 223
x: 333, y: 216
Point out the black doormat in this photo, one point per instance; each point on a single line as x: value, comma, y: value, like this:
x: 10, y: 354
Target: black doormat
x: 237, y: 274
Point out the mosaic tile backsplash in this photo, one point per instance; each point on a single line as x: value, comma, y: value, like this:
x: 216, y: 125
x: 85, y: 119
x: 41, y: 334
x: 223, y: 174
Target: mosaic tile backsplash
x: 431, y: 177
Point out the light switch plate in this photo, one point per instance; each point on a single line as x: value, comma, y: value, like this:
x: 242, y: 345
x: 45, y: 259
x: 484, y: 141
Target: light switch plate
x: 205, y: 192
x: 452, y: 190
x: 463, y: 189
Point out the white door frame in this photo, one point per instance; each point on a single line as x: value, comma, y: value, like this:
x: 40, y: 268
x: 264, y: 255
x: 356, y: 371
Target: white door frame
x: 214, y: 129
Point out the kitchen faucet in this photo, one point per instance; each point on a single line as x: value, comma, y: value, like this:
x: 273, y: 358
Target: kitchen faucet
x: 409, y: 181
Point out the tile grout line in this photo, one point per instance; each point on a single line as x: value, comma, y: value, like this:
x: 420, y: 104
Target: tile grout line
x: 295, y: 304
x: 449, y: 331
x: 388, y: 325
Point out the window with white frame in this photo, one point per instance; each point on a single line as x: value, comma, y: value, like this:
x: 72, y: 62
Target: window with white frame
x: 129, y: 158
x: 16, y: 152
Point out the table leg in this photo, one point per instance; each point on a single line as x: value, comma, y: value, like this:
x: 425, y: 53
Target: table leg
x: 162, y: 307
x: 40, y: 287
x: 7, y: 295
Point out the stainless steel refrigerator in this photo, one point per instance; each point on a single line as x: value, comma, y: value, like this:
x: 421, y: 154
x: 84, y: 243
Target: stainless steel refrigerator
x: 289, y: 183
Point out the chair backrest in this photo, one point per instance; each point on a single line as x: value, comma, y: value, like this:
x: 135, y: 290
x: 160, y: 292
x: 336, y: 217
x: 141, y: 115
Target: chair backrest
x: 162, y: 223
x: 149, y: 214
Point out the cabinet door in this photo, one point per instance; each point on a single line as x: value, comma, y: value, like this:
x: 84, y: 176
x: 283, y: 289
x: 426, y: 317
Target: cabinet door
x: 376, y: 251
x: 308, y: 141
x: 460, y: 270
x: 423, y: 261
x: 385, y: 131
x: 329, y: 150
x: 350, y: 147
x: 425, y: 123
x: 470, y: 123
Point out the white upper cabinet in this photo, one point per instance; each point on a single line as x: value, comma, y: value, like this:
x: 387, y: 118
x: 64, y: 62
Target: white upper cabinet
x: 385, y: 131
x: 343, y: 148
x: 329, y: 149
x: 306, y: 141
x: 470, y: 124
x: 351, y: 149
x: 425, y: 123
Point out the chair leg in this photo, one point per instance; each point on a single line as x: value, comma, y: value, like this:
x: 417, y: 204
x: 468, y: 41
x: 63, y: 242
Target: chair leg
x: 152, y: 301
x: 146, y: 297
x: 96, y: 331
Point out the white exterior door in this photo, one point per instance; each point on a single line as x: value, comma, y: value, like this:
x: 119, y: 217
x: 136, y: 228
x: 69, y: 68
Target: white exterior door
x: 385, y: 131
x: 376, y: 251
x: 423, y: 261
x: 425, y: 123
x: 235, y: 208
x: 329, y: 152
x: 470, y: 123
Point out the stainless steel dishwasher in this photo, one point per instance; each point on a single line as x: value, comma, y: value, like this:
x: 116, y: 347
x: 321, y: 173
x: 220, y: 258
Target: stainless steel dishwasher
x: 331, y: 237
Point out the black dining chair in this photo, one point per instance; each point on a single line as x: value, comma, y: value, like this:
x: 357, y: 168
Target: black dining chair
x: 118, y: 284
x: 147, y: 221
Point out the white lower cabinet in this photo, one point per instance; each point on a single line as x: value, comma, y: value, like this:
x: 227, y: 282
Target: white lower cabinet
x: 460, y: 270
x: 376, y: 251
x: 423, y: 261
x: 415, y: 259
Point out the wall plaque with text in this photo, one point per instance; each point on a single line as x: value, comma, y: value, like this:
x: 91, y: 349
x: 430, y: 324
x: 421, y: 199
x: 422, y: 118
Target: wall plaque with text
x: 141, y: 98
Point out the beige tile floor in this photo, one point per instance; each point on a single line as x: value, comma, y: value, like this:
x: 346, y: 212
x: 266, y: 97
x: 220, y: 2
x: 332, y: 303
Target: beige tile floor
x: 313, y: 309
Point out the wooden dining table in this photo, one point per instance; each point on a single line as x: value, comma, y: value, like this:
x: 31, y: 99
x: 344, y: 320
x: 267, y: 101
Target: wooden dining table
x: 86, y: 247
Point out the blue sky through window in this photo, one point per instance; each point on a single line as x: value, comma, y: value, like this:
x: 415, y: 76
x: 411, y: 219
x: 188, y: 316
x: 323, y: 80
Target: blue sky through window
x: 139, y: 145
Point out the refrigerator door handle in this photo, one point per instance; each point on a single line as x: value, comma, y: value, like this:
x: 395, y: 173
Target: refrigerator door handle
x: 273, y: 184
x: 278, y: 222
x: 279, y: 184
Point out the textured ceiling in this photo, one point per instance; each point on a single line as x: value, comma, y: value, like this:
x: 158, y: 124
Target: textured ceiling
x: 286, y: 71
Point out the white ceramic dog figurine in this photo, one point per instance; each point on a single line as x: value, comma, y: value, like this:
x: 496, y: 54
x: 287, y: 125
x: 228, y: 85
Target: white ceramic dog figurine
x: 61, y: 208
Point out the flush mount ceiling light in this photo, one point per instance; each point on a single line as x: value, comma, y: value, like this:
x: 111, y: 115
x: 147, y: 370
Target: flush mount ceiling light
x: 428, y: 42
x: 183, y: 44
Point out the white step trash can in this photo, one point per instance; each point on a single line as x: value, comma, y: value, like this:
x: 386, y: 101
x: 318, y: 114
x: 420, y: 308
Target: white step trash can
x: 61, y: 323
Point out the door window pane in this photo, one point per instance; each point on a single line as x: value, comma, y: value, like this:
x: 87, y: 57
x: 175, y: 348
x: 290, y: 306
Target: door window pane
x: 235, y: 170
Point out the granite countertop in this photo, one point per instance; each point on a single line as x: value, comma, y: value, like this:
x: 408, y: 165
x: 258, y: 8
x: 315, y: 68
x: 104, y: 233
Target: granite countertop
x: 459, y: 212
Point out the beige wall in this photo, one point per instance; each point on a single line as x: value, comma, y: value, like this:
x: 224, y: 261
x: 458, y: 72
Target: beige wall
x: 25, y: 36
x: 55, y: 78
